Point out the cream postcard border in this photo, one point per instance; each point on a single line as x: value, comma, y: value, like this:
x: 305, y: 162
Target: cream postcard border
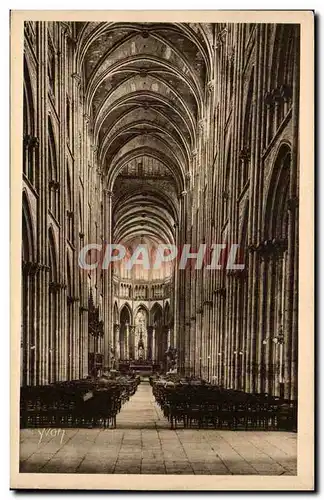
x: 305, y: 478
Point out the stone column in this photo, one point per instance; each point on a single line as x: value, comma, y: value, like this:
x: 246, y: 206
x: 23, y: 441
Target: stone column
x: 181, y: 285
x: 131, y: 342
x: 268, y: 326
x: 108, y: 292
x: 41, y: 323
x: 192, y: 344
x: 117, y: 341
x: 150, y: 342
x: 261, y: 339
x: 126, y: 341
x: 168, y: 337
x: 153, y: 343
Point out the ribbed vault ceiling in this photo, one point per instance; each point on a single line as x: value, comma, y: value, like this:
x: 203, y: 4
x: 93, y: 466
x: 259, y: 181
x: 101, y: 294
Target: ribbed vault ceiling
x: 144, y: 87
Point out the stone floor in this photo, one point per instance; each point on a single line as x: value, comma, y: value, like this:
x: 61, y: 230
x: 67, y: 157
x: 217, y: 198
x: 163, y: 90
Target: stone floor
x: 143, y: 443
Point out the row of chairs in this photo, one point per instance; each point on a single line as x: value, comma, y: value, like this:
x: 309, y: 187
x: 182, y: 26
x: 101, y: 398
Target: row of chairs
x: 206, y: 406
x: 75, y: 403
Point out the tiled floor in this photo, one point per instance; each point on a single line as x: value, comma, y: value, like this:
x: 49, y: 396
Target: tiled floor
x: 143, y: 443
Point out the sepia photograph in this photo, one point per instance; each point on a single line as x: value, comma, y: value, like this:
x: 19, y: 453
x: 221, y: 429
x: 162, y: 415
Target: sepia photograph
x: 159, y: 274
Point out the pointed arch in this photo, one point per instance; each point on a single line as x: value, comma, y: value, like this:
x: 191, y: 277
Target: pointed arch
x: 29, y: 103
x: 126, y: 312
x: 139, y: 342
x: 141, y: 306
x: 167, y: 313
x: 156, y: 313
x: 116, y: 313
x: 276, y: 210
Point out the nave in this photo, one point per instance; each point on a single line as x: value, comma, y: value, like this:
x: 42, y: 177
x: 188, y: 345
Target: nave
x: 143, y: 134
x: 143, y: 443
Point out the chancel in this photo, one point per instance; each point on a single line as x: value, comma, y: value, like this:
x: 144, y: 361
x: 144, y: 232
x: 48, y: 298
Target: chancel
x: 177, y: 136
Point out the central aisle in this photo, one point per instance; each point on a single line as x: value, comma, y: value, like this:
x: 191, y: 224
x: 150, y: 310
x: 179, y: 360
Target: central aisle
x: 141, y: 411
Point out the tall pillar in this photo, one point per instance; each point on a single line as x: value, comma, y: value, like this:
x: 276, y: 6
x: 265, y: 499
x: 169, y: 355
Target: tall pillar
x: 192, y: 344
x: 181, y: 303
x: 108, y: 298
x: 261, y: 340
x: 168, y: 337
x: 291, y: 316
x: 131, y: 343
x: 126, y: 341
x: 269, y: 325
x: 117, y: 341
x: 150, y: 342
x: 154, y: 343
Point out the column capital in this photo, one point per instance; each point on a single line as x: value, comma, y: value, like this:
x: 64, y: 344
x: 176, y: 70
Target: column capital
x: 277, y: 96
x: 31, y: 268
x: 201, y: 124
x: 77, y: 78
x: 55, y: 287
x: 34, y: 142
x: 244, y: 154
x: 208, y: 302
x: 54, y: 185
x: 292, y: 203
x: 285, y: 92
x: 183, y: 194
x: 220, y: 291
x: 66, y: 29
x: 270, y: 247
x: 210, y: 85
x: 86, y: 117
x: 108, y: 193
x: 72, y: 299
x: 221, y: 38
x: 268, y: 99
x: 31, y: 141
x: 237, y: 273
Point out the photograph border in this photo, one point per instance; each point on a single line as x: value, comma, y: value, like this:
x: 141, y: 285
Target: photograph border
x: 306, y: 371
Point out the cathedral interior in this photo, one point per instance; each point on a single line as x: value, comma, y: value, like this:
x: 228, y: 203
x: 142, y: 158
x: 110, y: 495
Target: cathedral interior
x: 160, y: 133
